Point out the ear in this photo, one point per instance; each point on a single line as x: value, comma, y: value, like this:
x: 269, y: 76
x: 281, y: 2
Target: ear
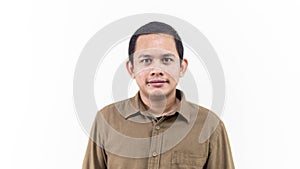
x: 183, y: 67
x: 129, y: 68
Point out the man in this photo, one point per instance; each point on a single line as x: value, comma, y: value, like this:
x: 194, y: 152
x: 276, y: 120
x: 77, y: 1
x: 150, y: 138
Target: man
x: 157, y: 128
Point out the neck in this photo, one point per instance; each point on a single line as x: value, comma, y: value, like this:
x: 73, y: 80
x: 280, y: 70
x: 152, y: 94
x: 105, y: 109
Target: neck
x: 160, y: 104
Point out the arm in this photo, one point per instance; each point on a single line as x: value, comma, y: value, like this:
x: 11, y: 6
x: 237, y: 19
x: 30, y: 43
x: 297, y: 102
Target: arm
x: 95, y: 156
x: 219, y: 150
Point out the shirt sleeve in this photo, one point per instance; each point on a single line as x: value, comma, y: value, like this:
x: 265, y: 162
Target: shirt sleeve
x: 95, y: 156
x: 220, y: 156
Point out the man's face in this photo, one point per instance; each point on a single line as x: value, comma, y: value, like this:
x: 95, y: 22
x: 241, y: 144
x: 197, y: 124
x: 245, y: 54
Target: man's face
x: 156, y: 65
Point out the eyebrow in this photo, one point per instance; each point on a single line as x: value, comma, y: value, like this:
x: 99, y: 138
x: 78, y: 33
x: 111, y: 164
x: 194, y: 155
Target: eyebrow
x: 144, y: 56
x: 163, y: 55
x: 168, y: 55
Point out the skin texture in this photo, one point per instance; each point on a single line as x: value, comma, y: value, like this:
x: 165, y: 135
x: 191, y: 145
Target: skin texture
x: 156, y: 68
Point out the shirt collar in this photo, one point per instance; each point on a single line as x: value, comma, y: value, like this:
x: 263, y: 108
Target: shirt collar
x: 134, y: 106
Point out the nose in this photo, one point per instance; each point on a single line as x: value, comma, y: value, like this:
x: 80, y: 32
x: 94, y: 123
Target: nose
x: 156, y: 72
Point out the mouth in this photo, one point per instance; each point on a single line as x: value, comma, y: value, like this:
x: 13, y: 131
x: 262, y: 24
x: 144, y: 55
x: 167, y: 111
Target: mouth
x: 157, y: 82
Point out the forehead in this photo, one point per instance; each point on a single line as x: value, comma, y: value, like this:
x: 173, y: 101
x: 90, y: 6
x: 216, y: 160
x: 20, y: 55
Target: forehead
x: 162, y: 42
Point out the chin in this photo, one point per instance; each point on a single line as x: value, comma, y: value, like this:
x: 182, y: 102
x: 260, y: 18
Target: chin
x: 158, y: 93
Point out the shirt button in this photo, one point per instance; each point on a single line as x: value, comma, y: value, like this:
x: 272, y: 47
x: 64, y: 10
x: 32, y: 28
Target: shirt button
x: 154, y: 154
x: 157, y: 127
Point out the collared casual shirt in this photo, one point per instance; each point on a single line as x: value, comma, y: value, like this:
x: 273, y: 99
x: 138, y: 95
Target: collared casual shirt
x: 125, y: 136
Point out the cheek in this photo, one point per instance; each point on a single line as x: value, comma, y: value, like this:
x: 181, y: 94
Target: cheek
x: 140, y: 77
x: 173, y: 73
x: 141, y: 73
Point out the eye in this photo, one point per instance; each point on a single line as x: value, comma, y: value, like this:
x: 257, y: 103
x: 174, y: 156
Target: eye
x: 167, y: 60
x: 145, y: 60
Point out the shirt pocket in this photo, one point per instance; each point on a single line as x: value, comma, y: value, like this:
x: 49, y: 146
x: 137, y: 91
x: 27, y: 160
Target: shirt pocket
x: 187, y: 160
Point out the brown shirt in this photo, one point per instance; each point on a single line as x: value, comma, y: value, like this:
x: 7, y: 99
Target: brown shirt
x: 125, y: 136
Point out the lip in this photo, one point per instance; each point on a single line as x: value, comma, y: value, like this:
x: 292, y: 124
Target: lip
x: 157, y: 82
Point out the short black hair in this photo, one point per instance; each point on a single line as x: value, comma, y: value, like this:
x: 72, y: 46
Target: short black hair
x: 155, y: 28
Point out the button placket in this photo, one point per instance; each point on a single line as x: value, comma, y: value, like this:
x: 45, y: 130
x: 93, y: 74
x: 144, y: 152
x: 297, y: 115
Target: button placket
x: 155, y: 147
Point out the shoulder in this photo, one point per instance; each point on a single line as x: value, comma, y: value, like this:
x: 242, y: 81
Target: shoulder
x: 203, y: 113
x: 113, y: 109
x: 209, y: 123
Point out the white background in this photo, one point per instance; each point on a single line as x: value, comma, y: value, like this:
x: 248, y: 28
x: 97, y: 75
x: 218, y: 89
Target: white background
x: 257, y: 42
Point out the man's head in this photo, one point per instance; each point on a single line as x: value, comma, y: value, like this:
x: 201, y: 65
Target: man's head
x: 156, y: 59
x: 155, y: 28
